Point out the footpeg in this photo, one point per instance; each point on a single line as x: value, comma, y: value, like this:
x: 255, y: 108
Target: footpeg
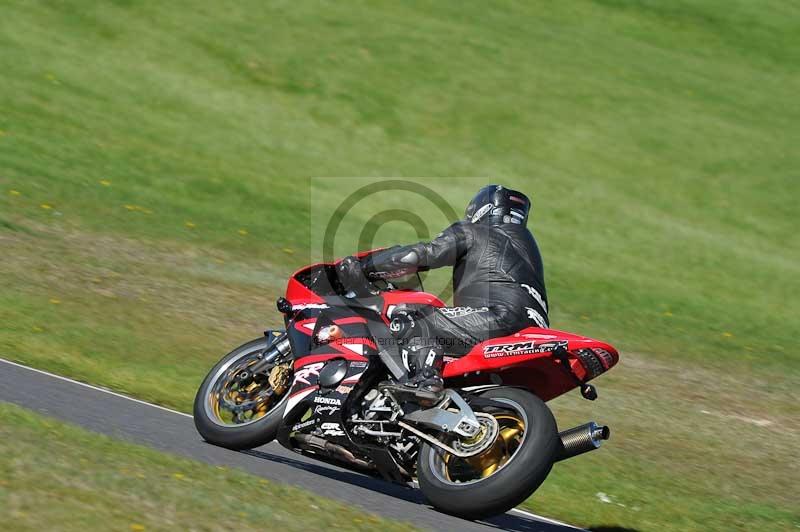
x: 405, y: 393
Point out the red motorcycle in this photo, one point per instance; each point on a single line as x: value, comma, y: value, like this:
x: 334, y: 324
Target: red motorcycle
x: 480, y: 451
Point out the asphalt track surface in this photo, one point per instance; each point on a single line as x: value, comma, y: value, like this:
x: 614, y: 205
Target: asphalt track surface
x: 122, y: 417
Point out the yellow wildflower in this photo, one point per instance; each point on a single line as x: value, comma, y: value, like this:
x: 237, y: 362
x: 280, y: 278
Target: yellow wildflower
x: 105, y: 182
x: 190, y: 225
x: 14, y: 192
x: 46, y: 206
x: 55, y: 301
x: 243, y: 232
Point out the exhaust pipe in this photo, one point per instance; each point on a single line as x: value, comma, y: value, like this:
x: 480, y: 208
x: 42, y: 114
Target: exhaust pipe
x: 582, y: 439
x: 332, y: 450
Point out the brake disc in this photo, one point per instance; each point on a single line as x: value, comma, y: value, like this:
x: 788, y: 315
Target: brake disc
x: 481, y: 441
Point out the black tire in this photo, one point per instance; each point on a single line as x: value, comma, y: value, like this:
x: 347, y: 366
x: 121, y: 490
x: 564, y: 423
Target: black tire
x: 512, y: 483
x: 236, y: 437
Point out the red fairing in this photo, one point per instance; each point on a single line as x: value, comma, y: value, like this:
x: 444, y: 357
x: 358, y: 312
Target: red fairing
x: 297, y: 293
x: 409, y: 297
x: 324, y: 357
x: 306, y: 326
x: 546, y: 361
x: 349, y: 320
x: 526, y: 359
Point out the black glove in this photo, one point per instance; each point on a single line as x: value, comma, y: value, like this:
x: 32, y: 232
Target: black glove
x: 351, y: 275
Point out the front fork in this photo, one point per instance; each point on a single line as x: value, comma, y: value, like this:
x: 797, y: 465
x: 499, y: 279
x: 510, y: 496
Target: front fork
x: 278, y: 347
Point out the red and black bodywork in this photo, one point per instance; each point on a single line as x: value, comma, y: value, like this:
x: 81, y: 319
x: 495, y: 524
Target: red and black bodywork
x: 336, y: 342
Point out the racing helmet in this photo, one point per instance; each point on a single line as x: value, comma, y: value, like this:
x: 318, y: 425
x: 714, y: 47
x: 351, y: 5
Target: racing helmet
x: 496, y: 204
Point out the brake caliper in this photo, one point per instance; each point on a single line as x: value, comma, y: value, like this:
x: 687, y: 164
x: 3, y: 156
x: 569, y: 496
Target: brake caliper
x: 279, y: 378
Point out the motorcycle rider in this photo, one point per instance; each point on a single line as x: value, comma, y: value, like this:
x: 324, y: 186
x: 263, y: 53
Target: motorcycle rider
x: 498, y: 287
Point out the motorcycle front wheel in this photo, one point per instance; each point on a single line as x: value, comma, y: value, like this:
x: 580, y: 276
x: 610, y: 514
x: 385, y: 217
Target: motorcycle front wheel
x: 240, y: 409
x: 503, y: 475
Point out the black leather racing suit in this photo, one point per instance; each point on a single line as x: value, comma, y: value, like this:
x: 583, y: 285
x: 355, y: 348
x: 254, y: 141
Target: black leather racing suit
x: 498, y: 284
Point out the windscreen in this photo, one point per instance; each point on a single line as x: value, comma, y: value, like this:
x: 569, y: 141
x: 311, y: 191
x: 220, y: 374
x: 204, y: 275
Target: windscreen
x: 322, y: 279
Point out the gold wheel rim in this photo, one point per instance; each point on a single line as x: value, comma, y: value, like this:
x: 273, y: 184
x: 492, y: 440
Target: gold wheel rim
x: 233, y: 394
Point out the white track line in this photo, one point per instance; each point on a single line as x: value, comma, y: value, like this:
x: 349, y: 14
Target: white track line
x: 546, y: 519
x: 115, y: 394
x: 121, y: 396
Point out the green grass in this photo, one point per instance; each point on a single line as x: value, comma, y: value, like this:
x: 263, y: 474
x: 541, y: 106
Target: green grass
x: 58, y: 477
x: 157, y: 163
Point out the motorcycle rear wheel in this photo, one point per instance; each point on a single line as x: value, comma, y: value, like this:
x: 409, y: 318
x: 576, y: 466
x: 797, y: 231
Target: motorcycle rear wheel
x: 505, y: 474
x: 247, y: 429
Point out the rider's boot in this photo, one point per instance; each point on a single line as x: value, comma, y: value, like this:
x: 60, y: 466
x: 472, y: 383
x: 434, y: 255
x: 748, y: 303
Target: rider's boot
x: 426, y: 386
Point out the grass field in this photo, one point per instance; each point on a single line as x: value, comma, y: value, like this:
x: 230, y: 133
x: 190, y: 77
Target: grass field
x: 58, y: 477
x: 157, y: 162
